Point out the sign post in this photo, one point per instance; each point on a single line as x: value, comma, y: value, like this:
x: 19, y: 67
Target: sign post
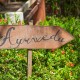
x: 33, y: 37
x: 29, y: 73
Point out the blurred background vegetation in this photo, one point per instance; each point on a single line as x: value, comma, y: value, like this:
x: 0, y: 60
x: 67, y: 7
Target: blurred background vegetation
x: 63, y: 7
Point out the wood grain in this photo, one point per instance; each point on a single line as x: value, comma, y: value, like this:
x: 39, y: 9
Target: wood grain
x: 33, y: 37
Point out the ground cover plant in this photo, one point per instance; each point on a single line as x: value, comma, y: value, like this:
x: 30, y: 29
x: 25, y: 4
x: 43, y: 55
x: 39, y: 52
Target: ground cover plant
x: 61, y: 64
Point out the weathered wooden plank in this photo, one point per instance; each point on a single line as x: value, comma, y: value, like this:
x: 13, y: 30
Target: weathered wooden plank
x: 32, y: 12
x: 32, y: 37
x: 26, y: 6
x: 17, y: 6
x: 32, y: 2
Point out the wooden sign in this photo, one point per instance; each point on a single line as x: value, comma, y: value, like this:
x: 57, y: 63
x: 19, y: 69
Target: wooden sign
x: 33, y: 37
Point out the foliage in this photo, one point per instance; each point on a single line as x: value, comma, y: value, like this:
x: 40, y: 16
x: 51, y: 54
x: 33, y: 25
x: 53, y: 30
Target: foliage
x: 9, y: 21
x: 65, y: 7
x: 13, y: 64
x: 2, y: 20
x: 61, y: 64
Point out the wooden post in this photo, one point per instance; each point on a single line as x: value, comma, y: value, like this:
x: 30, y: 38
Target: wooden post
x: 29, y: 73
x: 29, y: 63
x: 40, y: 15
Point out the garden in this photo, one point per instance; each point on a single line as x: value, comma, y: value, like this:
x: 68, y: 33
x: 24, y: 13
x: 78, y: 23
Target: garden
x: 47, y: 64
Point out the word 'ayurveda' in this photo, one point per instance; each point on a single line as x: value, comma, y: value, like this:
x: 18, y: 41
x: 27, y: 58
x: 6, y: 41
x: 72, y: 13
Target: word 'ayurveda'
x: 33, y: 37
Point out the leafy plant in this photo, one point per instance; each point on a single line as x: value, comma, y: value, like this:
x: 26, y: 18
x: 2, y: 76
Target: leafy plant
x: 61, y: 64
x: 65, y: 7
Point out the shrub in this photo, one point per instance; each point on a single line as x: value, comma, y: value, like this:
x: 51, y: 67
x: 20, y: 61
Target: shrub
x: 62, y: 64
